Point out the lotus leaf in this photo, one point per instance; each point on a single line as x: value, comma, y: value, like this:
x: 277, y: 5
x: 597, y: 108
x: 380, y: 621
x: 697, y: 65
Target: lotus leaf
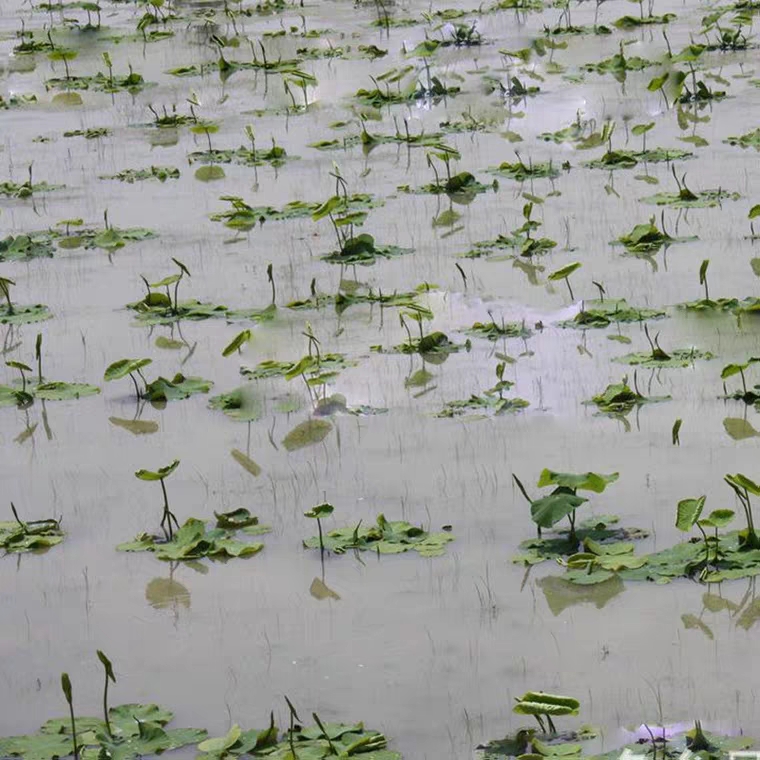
x: 178, y: 387
x: 385, y: 537
x: 194, y: 540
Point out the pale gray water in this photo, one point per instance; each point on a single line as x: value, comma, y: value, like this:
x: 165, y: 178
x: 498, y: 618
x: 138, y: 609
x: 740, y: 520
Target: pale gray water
x: 430, y: 651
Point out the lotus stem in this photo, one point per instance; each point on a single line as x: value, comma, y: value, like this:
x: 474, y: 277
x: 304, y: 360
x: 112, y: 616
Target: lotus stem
x: 176, y: 293
x: 137, y: 389
x: 23, y: 525
x: 168, y: 515
x: 324, y: 733
x: 66, y: 687
x: 707, y: 547
x: 105, y: 706
x: 271, y: 282
x: 38, y: 351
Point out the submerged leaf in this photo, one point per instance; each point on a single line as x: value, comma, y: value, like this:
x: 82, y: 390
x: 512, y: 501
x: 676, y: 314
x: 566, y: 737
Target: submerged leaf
x: 58, y: 391
x: 307, y: 434
x: 246, y: 463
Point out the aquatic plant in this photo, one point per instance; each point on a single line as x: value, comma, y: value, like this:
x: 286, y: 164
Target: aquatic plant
x: 66, y: 688
x: 385, y: 537
x: 245, y: 217
x: 19, y: 536
x: 299, y: 741
x: 521, y: 171
x: 316, y: 368
x: 128, y: 367
x: 646, y: 238
x: 131, y: 82
x: 27, y: 189
x: 44, y: 390
x: 317, y: 513
x: 655, y: 740
x: 237, y: 343
x: 275, y: 156
x: 196, y: 539
x: 745, y: 395
x: 493, y: 331
x: 163, y: 308
x: 462, y: 186
x: 160, y: 475
x: 618, y: 399
x: 754, y: 212
x: 545, y: 706
x: 563, y: 500
x: 619, y: 65
x: 15, y: 314
x: 742, y: 486
x: 564, y: 274
x: 161, y: 173
x: 747, y: 140
x: 685, y: 198
x: 109, y: 676
x: 687, y: 516
x: 489, y: 401
x: 657, y: 357
x: 26, y: 246
x: 603, y: 312
x: 353, y: 248
x: 521, y: 239
x: 132, y: 731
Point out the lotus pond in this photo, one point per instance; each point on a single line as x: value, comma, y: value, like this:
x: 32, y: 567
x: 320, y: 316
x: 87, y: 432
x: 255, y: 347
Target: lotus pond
x: 379, y: 377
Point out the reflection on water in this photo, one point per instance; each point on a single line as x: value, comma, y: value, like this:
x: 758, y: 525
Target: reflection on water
x: 561, y: 594
x: 320, y: 590
x: 166, y: 593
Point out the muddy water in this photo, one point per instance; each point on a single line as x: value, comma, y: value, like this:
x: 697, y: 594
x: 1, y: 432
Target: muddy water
x: 431, y: 651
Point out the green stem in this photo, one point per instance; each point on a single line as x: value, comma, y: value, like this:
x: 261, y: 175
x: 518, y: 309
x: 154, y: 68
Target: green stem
x: 750, y: 519
x: 18, y: 520
x: 290, y: 737
x: 325, y: 734
x: 74, y: 731
x: 145, y: 382
x: 38, y: 350
x: 105, y: 707
x: 707, y: 546
x: 167, y: 514
x: 137, y: 389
